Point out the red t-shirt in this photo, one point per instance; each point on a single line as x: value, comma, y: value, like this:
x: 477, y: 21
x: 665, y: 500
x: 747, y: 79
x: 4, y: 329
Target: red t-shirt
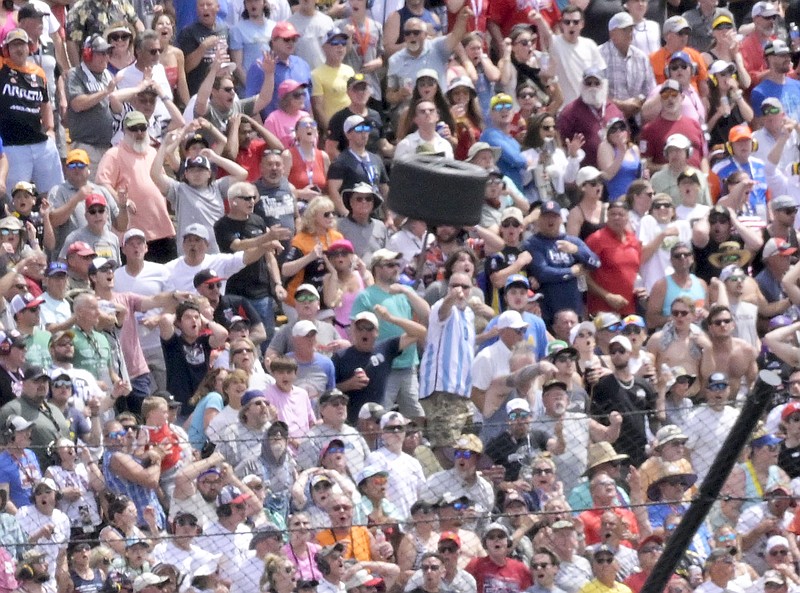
x: 591, y: 524
x: 162, y: 436
x: 619, y: 265
x: 753, y: 57
x: 636, y: 581
x: 507, y: 13
x: 655, y: 133
x: 490, y: 578
x: 250, y: 158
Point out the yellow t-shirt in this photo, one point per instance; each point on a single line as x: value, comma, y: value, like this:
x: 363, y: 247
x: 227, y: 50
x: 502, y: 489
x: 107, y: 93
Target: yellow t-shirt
x: 595, y: 586
x: 331, y: 84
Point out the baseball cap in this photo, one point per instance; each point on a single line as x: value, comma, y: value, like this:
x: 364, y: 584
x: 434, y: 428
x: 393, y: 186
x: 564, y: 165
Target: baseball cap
x: 480, y: 146
x: 16, y: 35
x: 585, y: 174
x: 728, y: 271
x: 353, y: 121
x: 198, y: 162
x: 206, y: 276
x: 334, y: 33
x: 622, y: 341
x: 303, y: 327
x: 718, y: 379
x: 25, y: 186
x: 134, y: 118
x: 332, y: 394
x: 33, y: 372
x: 131, y: 233
x: 357, y: 78
x: 720, y: 66
x: 367, y: 316
x: 80, y: 248
x: 550, y: 207
x: 512, y: 212
x: 95, y: 200
x: 309, y: 288
x: 670, y: 85
x: 382, y: 255
x: 789, y: 409
x: 371, y: 410
x: 593, y: 72
x: 511, y: 320
x: 102, y: 262
x: 678, y: 141
x: 395, y: 417
x: 675, y: 24
x: 740, y: 132
x: 682, y: 56
x: 518, y: 280
x: 284, y: 30
x: 196, y: 229
x: 773, y: 102
x: 621, y: 20
x: 450, y: 536
x: 370, y: 471
x: 78, y: 155
x: 148, y: 579
x: 231, y: 495
x: 97, y: 43
x: 250, y: 395
x: 289, y: 86
x: 56, y: 267
x: 19, y: 423
x: 500, y: 98
x: 764, y: 9
x: 722, y: 20
x: 28, y: 11
x: 782, y: 201
x: 24, y: 301
x: 777, y: 246
x: 518, y: 404
x: 776, y: 47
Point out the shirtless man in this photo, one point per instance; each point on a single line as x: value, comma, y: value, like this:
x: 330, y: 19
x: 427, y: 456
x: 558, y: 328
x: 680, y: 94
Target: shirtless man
x: 680, y: 343
x: 728, y: 290
x: 732, y: 356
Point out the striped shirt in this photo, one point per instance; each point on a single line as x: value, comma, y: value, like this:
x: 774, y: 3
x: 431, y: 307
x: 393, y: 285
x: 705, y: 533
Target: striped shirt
x: 447, y: 361
x: 140, y: 495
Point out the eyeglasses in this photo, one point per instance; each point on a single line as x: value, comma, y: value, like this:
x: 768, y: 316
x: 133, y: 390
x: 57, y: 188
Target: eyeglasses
x: 154, y: 51
x: 569, y: 22
x: 463, y: 454
x: 771, y: 110
x: 720, y: 322
x: 242, y: 351
x: 542, y: 471
x: 461, y: 506
x: 76, y: 165
x: 394, y: 428
x: 503, y: 107
x: 651, y: 550
x: 614, y: 327
x: 138, y: 128
x: 679, y: 313
x: 723, y: 27
x: 565, y: 358
x: 661, y: 205
x: 94, y: 211
x: 604, y: 560
x: 307, y: 124
x: 62, y: 383
x: 186, y: 521
x: 718, y: 387
x: 682, y: 255
x: 519, y: 415
x: 338, y: 253
x: 119, y: 37
x: 430, y: 567
x: 306, y: 298
x: 779, y: 552
x: 329, y: 214
x: 390, y: 264
x: 678, y: 66
x: 729, y: 537
x: 511, y: 223
x: 248, y: 198
x: 413, y: 32
x: 616, y: 351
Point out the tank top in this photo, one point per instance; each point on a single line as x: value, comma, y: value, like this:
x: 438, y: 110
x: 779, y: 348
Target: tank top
x: 304, y: 173
x: 341, y: 319
x: 695, y: 291
x: 172, y: 76
x: 629, y: 171
x: 587, y: 226
x: 82, y: 585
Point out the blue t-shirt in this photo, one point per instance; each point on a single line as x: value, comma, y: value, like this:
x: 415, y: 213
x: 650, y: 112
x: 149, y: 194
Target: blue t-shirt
x: 788, y: 93
x: 20, y: 478
x: 297, y: 69
x: 511, y: 161
x: 252, y: 39
x: 197, y: 433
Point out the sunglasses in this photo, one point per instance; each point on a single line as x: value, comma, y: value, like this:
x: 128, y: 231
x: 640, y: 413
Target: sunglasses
x: 329, y: 214
x: 338, y: 253
x: 543, y: 471
x: 395, y: 428
x: 682, y: 255
x: 718, y: 387
x: 248, y: 198
x: 793, y: 418
x: 679, y: 313
x: 730, y: 537
x: 519, y: 415
x: 62, y: 383
x: 632, y: 330
x: 430, y: 567
x: 334, y: 450
x: 503, y: 107
x: 186, y: 521
x: 510, y: 224
x: 526, y: 43
x: 791, y: 211
x: 616, y: 350
x: 723, y: 27
x: 242, y: 351
x: 675, y: 66
x: 119, y: 37
x: 306, y: 298
x: 154, y: 52
x: 363, y: 199
x: 604, y: 560
x: 447, y: 549
x: 214, y: 285
x: 342, y: 507
x: 614, y: 327
x: 661, y: 206
x: 463, y: 454
x: 771, y: 110
x: 94, y: 211
x: 337, y: 42
x: 779, y: 552
x: 362, y: 128
x: 720, y: 322
x: 307, y: 124
x: 116, y: 434
x: 413, y: 32
x: 322, y: 486
x: 76, y: 165
x: 539, y: 565
x: 138, y: 128
x: 592, y: 83
x: 227, y: 89
x: 670, y: 94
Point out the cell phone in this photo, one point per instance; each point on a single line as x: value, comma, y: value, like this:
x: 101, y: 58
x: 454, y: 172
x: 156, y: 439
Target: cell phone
x: 208, y: 450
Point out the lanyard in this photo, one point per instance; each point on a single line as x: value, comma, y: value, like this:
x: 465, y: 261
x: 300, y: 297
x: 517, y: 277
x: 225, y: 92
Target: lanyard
x: 362, y: 39
x: 369, y: 169
x: 756, y: 482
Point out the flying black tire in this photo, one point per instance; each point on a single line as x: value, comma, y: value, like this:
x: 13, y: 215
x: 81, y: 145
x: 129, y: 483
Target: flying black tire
x: 437, y: 190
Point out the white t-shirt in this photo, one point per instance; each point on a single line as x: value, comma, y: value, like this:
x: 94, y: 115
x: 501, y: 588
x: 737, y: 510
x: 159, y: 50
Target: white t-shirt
x: 707, y: 430
x: 571, y: 59
x: 405, y: 477
x: 224, y: 264
x: 53, y: 310
x: 659, y: 265
x: 152, y: 280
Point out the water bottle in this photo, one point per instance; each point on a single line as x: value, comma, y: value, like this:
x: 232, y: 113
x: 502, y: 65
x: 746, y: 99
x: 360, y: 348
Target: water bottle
x: 582, y: 286
x: 543, y: 185
x: 794, y: 36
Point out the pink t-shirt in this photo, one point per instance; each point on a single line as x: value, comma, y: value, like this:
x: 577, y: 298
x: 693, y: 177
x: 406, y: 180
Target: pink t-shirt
x: 121, y: 167
x: 305, y: 563
x: 128, y: 335
x: 282, y: 125
x: 293, y: 408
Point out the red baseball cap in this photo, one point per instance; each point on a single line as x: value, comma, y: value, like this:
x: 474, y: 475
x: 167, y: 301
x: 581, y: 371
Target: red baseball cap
x: 450, y: 536
x: 284, y: 30
x: 80, y: 248
x: 95, y: 200
x: 790, y: 409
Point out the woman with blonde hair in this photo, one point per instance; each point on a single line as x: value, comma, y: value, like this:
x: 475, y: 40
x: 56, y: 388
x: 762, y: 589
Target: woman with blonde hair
x: 172, y: 58
x: 233, y: 387
x: 207, y: 402
x: 304, y: 263
x: 618, y: 158
x: 280, y: 575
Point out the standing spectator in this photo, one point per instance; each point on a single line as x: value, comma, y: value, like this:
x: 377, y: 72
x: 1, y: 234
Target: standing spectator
x: 512, y: 162
x: 360, y: 92
x: 365, y: 56
x: 25, y: 111
x: 200, y: 43
x: 765, y: 16
x: 93, y: 17
x: 126, y: 168
x: 19, y: 467
x: 604, y: 569
x: 313, y: 25
x: 572, y: 54
x: 676, y: 32
x: 558, y: 260
x: 249, y: 39
x: 329, y: 79
x: 89, y: 87
x: 620, y: 253
x: 366, y: 233
x: 701, y: 19
x: 775, y: 82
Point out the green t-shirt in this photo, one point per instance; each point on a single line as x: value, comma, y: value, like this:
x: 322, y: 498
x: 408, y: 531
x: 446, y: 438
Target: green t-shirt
x: 399, y: 306
x: 93, y: 354
x: 38, y: 348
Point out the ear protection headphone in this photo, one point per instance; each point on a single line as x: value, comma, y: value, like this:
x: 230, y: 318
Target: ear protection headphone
x: 25, y: 572
x: 88, y: 53
x: 729, y: 147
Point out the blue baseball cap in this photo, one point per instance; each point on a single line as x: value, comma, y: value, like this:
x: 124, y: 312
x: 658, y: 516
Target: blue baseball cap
x: 56, y: 267
x: 517, y: 279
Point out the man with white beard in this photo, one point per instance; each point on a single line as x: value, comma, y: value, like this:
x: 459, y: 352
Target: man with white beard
x: 589, y: 114
x: 126, y: 167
